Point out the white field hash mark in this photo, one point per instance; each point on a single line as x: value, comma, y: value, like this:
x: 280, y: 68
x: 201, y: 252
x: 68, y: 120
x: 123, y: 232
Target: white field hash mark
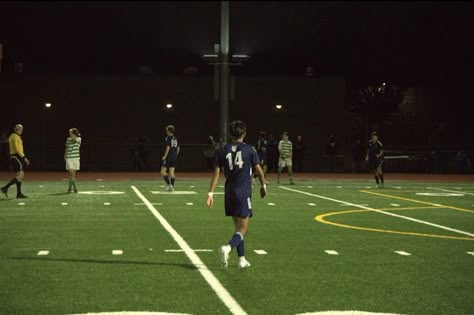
x: 260, y: 252
x: 117, y: 252
x: 331, y: 252
x: 400, y: 252
x: 43, y: 253
x: 383, y: 212
x: 213, y: 282
x: 471, y: 253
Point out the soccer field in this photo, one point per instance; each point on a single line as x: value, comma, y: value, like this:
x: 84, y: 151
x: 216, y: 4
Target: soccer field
x: 322, y: 246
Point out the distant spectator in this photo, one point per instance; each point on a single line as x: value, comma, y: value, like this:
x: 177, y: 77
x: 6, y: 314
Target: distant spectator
x: 298, y: 152
x: 358, y: 155
x: 4, y: 152
x: 210, y: 152
x: 272, y: 153
x: 331, y: 150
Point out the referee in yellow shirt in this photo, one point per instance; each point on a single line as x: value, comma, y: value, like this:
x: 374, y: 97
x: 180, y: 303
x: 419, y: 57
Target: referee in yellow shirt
x: 18, y: 161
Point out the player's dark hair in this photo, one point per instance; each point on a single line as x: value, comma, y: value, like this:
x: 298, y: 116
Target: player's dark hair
x: 75, y: 132
x: 236, y: 129
x: 374, y: 133
x: 284, y: 133
x: 170, y: 128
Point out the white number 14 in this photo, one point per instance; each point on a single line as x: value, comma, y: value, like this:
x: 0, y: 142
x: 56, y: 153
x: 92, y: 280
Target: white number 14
x: 237, y: 162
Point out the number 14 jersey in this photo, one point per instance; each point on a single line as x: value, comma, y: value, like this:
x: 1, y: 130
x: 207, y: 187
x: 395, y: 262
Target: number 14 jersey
x: 237, y: 159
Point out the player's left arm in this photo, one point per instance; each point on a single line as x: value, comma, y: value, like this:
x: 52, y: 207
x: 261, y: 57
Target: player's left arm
x: 261, y: 178
x: 177, y: 150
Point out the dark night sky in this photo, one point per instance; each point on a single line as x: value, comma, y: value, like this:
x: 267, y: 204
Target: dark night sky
x: 375, y: 40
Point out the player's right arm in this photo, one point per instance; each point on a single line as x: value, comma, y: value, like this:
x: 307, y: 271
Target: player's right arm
x: 214, y: 180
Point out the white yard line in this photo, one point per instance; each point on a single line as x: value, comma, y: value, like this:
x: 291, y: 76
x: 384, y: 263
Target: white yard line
x: 381, y: 211
x: 453, y: 191
x: 213, y: 282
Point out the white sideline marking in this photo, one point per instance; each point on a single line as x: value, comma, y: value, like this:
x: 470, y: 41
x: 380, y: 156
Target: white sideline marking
x: 339, y: 187
x: 395, y: 204
x: 189, y: 203
x: 176, y: 192
x: 21, y: 203
x: 442, y: 194
x: 346, y: 313
x: 398, y: 187
x: 213, y: 282
x: 142, y: 204
x: 331, y: 252
x: 101, y: 192
x: 41, y: 186
x: 162, y: 186
x: 309, y: 186
x: 106, y: 203
x: 63, y: 203
x: 180, y: 250
x: 133, y: 313
x: 454, y: 191
x: 221, y: 186
x: 383, y: 212
x: 400, y: 252
x: 191, y: 186
x: 43, y: 253
x: 270, y: 204
x: 117, y: 252
x: 311, y: 204
x: 368, y: 187
x: 260, y: 251
x: 471, y: 253
x: 101, y: 186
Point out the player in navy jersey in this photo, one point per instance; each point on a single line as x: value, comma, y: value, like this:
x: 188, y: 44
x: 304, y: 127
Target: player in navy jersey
x: 237, y: 159
x: 168, y: 161
x: 375, y: 158
x: 261, y: 147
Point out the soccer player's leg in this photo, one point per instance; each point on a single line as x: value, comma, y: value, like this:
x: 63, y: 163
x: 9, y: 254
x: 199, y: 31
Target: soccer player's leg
x: 281, y: 166
x: 172, y: 177
x: 16, y: 166
x: 165, y: 174
x: 380, y: 173
x: 290, y: 170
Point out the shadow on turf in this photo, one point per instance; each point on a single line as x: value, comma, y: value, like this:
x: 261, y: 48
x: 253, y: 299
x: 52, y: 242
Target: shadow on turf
x: 95, y: 261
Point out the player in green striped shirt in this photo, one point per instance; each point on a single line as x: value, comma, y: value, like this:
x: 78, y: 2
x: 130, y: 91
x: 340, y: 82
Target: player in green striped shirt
x: 72, y: 157
x: 285, y: 147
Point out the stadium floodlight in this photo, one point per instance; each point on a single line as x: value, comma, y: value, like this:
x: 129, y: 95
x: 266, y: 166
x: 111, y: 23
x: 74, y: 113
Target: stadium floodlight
x: 169, y: 105
x: 278, y: 106
x: 47, y: 105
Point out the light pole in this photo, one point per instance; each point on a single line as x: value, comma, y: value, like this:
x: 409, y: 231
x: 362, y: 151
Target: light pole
x: 220, y: 61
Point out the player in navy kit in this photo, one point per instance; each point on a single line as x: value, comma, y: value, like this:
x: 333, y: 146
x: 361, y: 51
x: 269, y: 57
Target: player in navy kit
x: 375, y: 158
x: 261, y: 147
x: 237, y: 159
x: 168, y: 161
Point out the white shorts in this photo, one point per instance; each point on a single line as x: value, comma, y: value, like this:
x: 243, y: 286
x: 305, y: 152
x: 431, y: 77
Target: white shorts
x: 73, y: 164
x: 282, y: 162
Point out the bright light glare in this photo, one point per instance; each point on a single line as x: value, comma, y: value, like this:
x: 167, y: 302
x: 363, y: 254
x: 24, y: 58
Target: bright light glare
x: 278, y: 106
x: 169, y: 105
x: 47, y: 105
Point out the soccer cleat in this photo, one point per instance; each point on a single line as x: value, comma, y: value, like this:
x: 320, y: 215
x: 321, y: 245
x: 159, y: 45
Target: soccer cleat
x: 168, y: 188
x: 224, y: 251
x: 69, y: 191
x: 243, y: 263
x: 5, y: 191
x: 75, y: 190
x: 292, y: 183
x: 171, y: 188
x: 21, y: 196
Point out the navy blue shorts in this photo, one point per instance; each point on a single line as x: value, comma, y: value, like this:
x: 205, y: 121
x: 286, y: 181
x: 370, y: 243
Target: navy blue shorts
x: 375, y: 163
x: 168, y: 163
x: 237, y: 206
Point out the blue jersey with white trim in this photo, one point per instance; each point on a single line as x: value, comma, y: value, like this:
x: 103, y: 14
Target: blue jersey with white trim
x: 172, y: 142
x: 237, y: 159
